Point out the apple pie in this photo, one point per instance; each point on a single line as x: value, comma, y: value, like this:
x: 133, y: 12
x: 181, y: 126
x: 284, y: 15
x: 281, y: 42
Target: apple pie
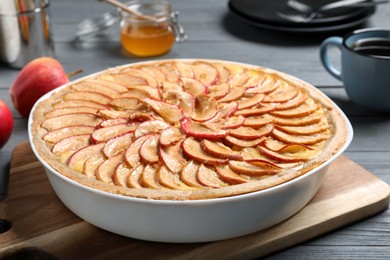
x: 186, y: 129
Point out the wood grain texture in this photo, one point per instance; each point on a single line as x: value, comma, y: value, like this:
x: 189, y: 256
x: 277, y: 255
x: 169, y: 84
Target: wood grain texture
x: 348, y: 194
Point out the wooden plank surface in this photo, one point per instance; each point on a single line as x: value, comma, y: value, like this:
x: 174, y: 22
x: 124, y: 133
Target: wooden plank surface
x: 348, y: 194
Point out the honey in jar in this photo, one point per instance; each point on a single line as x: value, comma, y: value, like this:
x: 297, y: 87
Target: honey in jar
x: 145, y: 37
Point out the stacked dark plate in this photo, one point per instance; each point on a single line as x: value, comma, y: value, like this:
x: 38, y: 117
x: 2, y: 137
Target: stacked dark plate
x: 264, y: 13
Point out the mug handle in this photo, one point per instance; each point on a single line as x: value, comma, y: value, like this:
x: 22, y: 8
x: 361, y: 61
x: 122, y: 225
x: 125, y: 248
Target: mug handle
x: 332, y: 41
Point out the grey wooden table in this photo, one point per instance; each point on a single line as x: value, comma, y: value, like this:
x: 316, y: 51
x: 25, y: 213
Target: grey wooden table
x: 215, y: 33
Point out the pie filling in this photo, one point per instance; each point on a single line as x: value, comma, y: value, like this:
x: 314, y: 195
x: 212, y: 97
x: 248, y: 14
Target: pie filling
x: 185, y: 129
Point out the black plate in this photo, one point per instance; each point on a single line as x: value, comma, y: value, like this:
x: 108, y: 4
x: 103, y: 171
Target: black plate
x: 265, y: 12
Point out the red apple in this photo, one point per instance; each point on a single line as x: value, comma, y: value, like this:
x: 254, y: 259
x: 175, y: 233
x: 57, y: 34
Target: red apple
x: 7, y: 123
x: 36, y: 79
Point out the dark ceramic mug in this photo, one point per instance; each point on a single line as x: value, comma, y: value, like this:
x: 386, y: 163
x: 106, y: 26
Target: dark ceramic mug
x: 365, y: 74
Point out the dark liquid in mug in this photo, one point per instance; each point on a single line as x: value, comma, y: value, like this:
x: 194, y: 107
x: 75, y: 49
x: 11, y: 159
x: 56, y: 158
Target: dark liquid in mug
x: 375, y: 47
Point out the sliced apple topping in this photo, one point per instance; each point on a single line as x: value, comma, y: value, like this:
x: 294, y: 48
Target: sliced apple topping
x: 226, y: 110
x: 185, y: 101
x: 258, y: 121
x: 112, y: 122
x: 169, y: 112
x: 188, y: 174
x: 107, y: 133
x: 253, y: 155
x: 134, y: 177
x: 277, y: 146
x: 71, y: 110
x: 308, y: 107
x: 105, y: 170
x: 279, y: 156
x: 126, y: 104
x: 205, y: 73
x: 194, y: 87
x: 151, y: 92
x: 92, y: 163
x: 223, y: 73
x: 220, y: 150
x: 229, y: 176
x: 218, y: 91
x: 170, y: 135
x: 117, y: 145
x: 297, y: 139
x: 251, y: 169
x: 132, y: 156
x: 208, y: 177
x: 170, y: 180
x: 77, y: 160
x: 170, y: 71
x: 126, y: 80
x: 166, y: 86
x: 149, y: 150
x: 150, y: 127
x: 233, y: 95
x: 61, y: 133
x: 154, y: 72
x: 64, y: 148
x: 106, y: 91
x: 87, y: 96
x: 200, y: 130
x: 239, y: 79
x: 284, y: 93
x: 151, y: 81
x: 109, y: 84
x: 243, y: 143
x: 256, y: 78
x: 80, y: 119
x: 231, y: 122
x: 206, y: 107
x: 259, y: 110
x: 193, y: 150
x: 248, y: 102
x: 300, y: 121
x: 173, y: 158
x: 137, y: 93
x: 268, y: 85
x: 305, y: 130
x: 148, y: 178
x: 185, y: 70
x: 77, y: 103
x: 121, y: 174
x: 248, y: 133
x: 292, y: 103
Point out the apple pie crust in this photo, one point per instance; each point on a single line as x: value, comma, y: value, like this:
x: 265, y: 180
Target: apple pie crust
x: 186, y: 129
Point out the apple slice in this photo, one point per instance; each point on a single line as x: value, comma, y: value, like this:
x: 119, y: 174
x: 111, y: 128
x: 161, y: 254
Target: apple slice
x: 126, y: 104
x: 80, y: 119
x: 151, y: 81
x: 77, y: 160
x: 125, y: 80
x: 297, y: 139
x: 136, y: 93
x: 152, y: 92
x: 240, y: 78
x: 106, y: 91
x: 280, y: 157
x: 185, y: 101
x: 258, y: 121
x: 171, y: 86
x: 92, y: 163
x: 200, y: 130
x: 133, y: 180
x: 117, y: 145
x: 253, y: 155
x: 113, y: 114
x: 219, y: 90
x: 256, y: 78
x: 231, y: 122
x: 112, y: 122
x: 149, y: 150
x: 194, y: 87
x: 105, y: 170
x: 139, y: 117
x: 226, y: 110
x: 301, y: 151
x: 132, y: 156
x: 188, y: 174
x: 170, y: 180
x: 268, y: 85
x: 251, y: 169
x: 301, y: 121
x: 248, y: 133
x: 284, y: 93
x: 205, y: 73
x: 170, y: 71
x: 208, y: 177
x: 264, y: 109
x: 71, y: 110
x: 205, y: 108
x: 185, y: 70
x: 148, y: 178
x: 220, y: 150
x: 109, y: 84
x: 170, y: 135
x: 295, y: 102
x: 243, y: 143
x: 170, y: 113
x: 308, y: 107
x: 154, y: 72
x: 77, y: 103
x: 150, y: 127
x: 229, y: 176
x: 64, y: 148
x: 250, y: 101
x: 224, y: 73
x: 193, y: 150
x: 61, y: 133
x: 107, y: 133
x: 120, y: 175
x: 87, y: 96
x: 233, y: 95
x: 305, y: 130
x: 173, y: 158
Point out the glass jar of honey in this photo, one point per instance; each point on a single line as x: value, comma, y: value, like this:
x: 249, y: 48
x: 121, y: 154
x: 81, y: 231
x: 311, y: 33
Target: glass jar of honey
x: 151, y: 30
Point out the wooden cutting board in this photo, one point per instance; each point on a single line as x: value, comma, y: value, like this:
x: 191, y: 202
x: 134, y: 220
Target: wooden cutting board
x: 42, y: 224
